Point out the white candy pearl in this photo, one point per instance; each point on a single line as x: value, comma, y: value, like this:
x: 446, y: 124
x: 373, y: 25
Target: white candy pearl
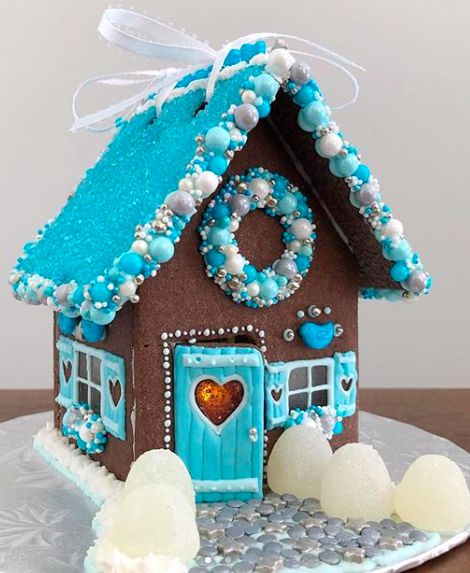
x: 127, y: 289
x: 393, y: 228
x: 329, y: 145
x: 234, y: 226
x: 249, y: 96
x: 259, y: 187
x: 294, y: 246
x: 207, y: 182
x: 301, y: 228
x: 185, y: 184
x: 279, y: 63
x: 140, y: 246
x: 235, y: 134
x: 230, y: 250
x: 235, y: 264
x: 253, y: 289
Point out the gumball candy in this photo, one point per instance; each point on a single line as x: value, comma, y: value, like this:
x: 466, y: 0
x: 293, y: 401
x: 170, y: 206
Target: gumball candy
x: 434, y: 495
x: 356, y: 484
x: 161, y: 467
x: 298, y: 460
x: 155, y: 518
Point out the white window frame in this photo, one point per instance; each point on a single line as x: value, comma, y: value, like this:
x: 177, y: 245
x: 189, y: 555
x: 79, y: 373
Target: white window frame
x: 88, y: 352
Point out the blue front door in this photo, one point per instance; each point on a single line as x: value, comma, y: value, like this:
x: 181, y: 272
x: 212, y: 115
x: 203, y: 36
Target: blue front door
x: 219, y: 419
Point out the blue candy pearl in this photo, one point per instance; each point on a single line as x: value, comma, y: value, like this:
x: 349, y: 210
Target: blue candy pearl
x: 268, y: 289
x: 220, y: 211
x: 265, y: 86
x: 264, y: 109
x: 99, y: 292
x: 250, y: 272
x: 162, y: 249
x: 77, y: 296
x: 312, y: 116
x: 399, y: 253
x: 102, y: 317
x: 132, y: 263
x: 66, y: 324
x: 217, y: 140
x: 214, y: 259
x: 344, y: 166
x: 362, y: 173
x: 92, y: 332
x: 219, y: 236
x: 399, y: 272
x: 305, y: 95
x: 302, y: 263
x: 217, y: 165
x: 287, y: 204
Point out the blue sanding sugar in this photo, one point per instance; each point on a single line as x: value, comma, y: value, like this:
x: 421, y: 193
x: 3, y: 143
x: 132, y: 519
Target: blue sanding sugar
x: 142, y: 164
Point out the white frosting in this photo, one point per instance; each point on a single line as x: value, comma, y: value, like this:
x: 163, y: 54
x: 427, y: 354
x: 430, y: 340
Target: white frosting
x: 107, y: 559
x: 93, y: 479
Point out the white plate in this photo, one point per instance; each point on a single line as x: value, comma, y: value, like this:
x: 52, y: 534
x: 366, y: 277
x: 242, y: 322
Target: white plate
x: 45, y: 521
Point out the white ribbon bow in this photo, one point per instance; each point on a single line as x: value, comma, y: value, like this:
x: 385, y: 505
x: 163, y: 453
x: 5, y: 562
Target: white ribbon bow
x: 145, y: 36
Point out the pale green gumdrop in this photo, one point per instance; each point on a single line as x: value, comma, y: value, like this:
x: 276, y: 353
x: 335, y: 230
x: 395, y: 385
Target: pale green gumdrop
x: 161, y: 467
x: 298, y: 460
x: 434, y: 495
x: 356, y: 484
x: 155, y: 519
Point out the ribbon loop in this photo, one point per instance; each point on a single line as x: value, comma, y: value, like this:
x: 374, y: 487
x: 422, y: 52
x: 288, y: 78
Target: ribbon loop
x: 145, y: 36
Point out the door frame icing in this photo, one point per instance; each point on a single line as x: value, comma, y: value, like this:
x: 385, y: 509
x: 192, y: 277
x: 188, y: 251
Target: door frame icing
x: 238, y: 484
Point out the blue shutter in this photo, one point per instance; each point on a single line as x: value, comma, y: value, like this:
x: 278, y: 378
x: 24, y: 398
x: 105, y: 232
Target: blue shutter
x: 276, y: 395
x: 345, y: 387
x: 113, y: 380
x: 66, y: 372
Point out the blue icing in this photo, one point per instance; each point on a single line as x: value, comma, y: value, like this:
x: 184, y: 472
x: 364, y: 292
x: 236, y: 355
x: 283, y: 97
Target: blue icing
x: 316, y: 335
x: 142, y: 164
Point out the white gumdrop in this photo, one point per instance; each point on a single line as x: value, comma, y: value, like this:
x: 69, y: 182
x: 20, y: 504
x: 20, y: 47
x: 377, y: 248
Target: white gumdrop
x: 356, y: 484
x: 434, y: 495
x: 155, y: 519
x: 161, y: 467
x: 298, y: 460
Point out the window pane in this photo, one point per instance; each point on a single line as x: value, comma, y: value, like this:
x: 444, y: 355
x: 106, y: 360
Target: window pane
x: 95, y: 400
x: 95, y: 367
x: 298, y: 379
x: 83, y: 393
x: 319, y: 375
x: 82, y: 367
x: 320, y: 398
x: 298, y: 401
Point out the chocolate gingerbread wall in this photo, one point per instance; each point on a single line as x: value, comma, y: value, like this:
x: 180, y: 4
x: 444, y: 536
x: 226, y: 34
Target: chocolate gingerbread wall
x: 182, y: 298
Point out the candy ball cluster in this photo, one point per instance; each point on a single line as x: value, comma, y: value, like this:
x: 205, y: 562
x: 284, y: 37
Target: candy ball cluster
x: 231, y: 270
x: 86, y: 428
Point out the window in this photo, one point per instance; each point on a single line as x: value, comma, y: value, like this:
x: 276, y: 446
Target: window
x: 95, y: 377
x: 89, y: 380
x: 307, y: 385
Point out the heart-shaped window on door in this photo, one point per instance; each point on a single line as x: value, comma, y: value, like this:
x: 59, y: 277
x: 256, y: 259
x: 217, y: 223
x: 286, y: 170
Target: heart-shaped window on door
x: 115, y: 391
x: 217, y: 401
x: 346, y: 383
x: 67, y: 370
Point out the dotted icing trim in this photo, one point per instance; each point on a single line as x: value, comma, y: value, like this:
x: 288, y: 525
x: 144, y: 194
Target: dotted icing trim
x: 96, y: 304
x: 257, y: 189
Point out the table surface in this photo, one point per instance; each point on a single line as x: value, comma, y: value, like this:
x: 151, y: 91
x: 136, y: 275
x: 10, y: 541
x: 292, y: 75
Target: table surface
x: 422, y: 408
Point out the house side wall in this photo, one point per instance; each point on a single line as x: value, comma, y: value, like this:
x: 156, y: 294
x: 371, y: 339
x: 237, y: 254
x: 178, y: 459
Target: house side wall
x: 183, y: 298
x: 119, y: 454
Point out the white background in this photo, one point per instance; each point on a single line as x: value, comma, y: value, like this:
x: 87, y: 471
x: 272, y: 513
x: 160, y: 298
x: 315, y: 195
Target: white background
x: 411, y: 125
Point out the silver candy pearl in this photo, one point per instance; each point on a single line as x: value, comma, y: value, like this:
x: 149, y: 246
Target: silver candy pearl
x: 181, y: 203
x: 338, y: 330
x: 327, y: 310
x: 300, y: 73
x: 280, y: 44
x: 288, y: 335
x: 416, y: 281
x: 286, y: 268
x: 240, y: 205
x: 246, y: 116
x: 313, y: 311
x: 367, y: 194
